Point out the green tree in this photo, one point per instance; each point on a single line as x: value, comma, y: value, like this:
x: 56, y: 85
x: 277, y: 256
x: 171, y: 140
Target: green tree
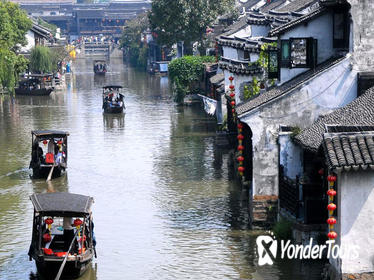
x: 14, y: 25
x: 185, y: 20
x: 185, y: 73
x: 58, y: 54
x: 131, y: 41
x: 40, y: 59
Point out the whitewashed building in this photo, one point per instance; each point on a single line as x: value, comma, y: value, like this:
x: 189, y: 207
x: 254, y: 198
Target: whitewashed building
x: 315, y: 77
x: 37, y: 35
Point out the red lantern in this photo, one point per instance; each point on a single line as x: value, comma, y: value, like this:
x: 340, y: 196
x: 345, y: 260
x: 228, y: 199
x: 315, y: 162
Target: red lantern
x: 321, y: 171
x: 240, y: 158
x: 233, y: 110
x: 240, y: 148
x: 77, y: 222
x: 45, y: 142
x: 59, y: 142
x: 331, y: 178
x: 241, y: 169
x: 47, y: 238
x: 331, y: 221
x: 240, y: 137
x: 232, y: 103
x: 232, y: 95
x: 49, y: 221
x: 231, y: 78
x: 231, y: 87
x: 332, y: 235
x: 240, y: 125
x: 331, y: 207
x: 331, y: 192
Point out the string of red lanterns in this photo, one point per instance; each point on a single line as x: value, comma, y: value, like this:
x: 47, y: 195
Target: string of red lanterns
x: 240, y: 158
x: 240, y: 136
x: 232, y: 97
x: 331, y: 207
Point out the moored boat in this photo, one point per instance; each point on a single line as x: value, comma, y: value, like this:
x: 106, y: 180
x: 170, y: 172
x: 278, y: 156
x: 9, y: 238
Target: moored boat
x: 35, y: 85
x: 63, y: 242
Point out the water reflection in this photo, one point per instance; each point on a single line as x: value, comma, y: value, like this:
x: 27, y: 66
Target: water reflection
x: 114, y: 120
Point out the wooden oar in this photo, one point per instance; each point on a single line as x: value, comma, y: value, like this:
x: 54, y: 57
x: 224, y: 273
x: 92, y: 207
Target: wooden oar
x: 66, y: 257
x: 50, y: 173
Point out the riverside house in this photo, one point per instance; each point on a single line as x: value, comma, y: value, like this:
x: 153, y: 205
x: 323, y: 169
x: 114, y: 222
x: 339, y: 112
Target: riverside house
x: 308, y: 75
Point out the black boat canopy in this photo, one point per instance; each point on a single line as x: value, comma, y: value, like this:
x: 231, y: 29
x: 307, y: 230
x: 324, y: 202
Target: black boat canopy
x: 51, y: 133
x: 106, y: 87
x: 62, y: 204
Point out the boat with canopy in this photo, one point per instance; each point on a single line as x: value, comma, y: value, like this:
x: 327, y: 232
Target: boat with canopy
x: 113, y: 99
x: 35, y: 85
x: 49, y: 153
x: 63, y: 241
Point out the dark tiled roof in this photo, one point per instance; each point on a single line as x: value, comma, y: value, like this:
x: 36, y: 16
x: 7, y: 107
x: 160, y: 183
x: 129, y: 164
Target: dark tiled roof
x: 271, y: 17
x: 240, y: 66
x: 359, y: 112
x: 221, y: 89
x: 217, y: 79
x: 257, y: 19
x: 286, y: 87
x: 297, y: 5
x: 283, y: 28
x: 237, y: 26
x: 249, y: 4
x: 41, y: 30
x: 249, y: 44
x: 333, y: 2
x: 349, y: 150
x: 272, y: 5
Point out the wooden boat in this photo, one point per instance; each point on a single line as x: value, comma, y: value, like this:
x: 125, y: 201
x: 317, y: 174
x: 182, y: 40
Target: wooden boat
x: 62, y: 229
x: 113, y: 100
x: 35, y: 85
x: 100, y: 67
x: 49, y: 150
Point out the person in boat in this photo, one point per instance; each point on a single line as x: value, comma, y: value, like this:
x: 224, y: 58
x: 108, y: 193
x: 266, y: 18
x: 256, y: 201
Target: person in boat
x: 58, y: 155
x: 37, y: 155
x: 68, y: 232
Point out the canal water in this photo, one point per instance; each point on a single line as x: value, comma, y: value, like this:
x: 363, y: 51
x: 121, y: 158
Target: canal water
x: 166, y: 205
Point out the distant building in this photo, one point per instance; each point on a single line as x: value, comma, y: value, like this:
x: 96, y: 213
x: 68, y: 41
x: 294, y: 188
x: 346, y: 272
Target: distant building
x: 43, y: 1
x: 86, y: 19
x: 36, y: 36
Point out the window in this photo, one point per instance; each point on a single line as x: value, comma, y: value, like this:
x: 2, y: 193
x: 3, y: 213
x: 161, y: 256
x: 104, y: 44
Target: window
x: 303, y: 52
x: 246, y: 55
x: 273, y: 69
x: 340, y: 30
x: 285, y: 53
x: 299, y: 52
